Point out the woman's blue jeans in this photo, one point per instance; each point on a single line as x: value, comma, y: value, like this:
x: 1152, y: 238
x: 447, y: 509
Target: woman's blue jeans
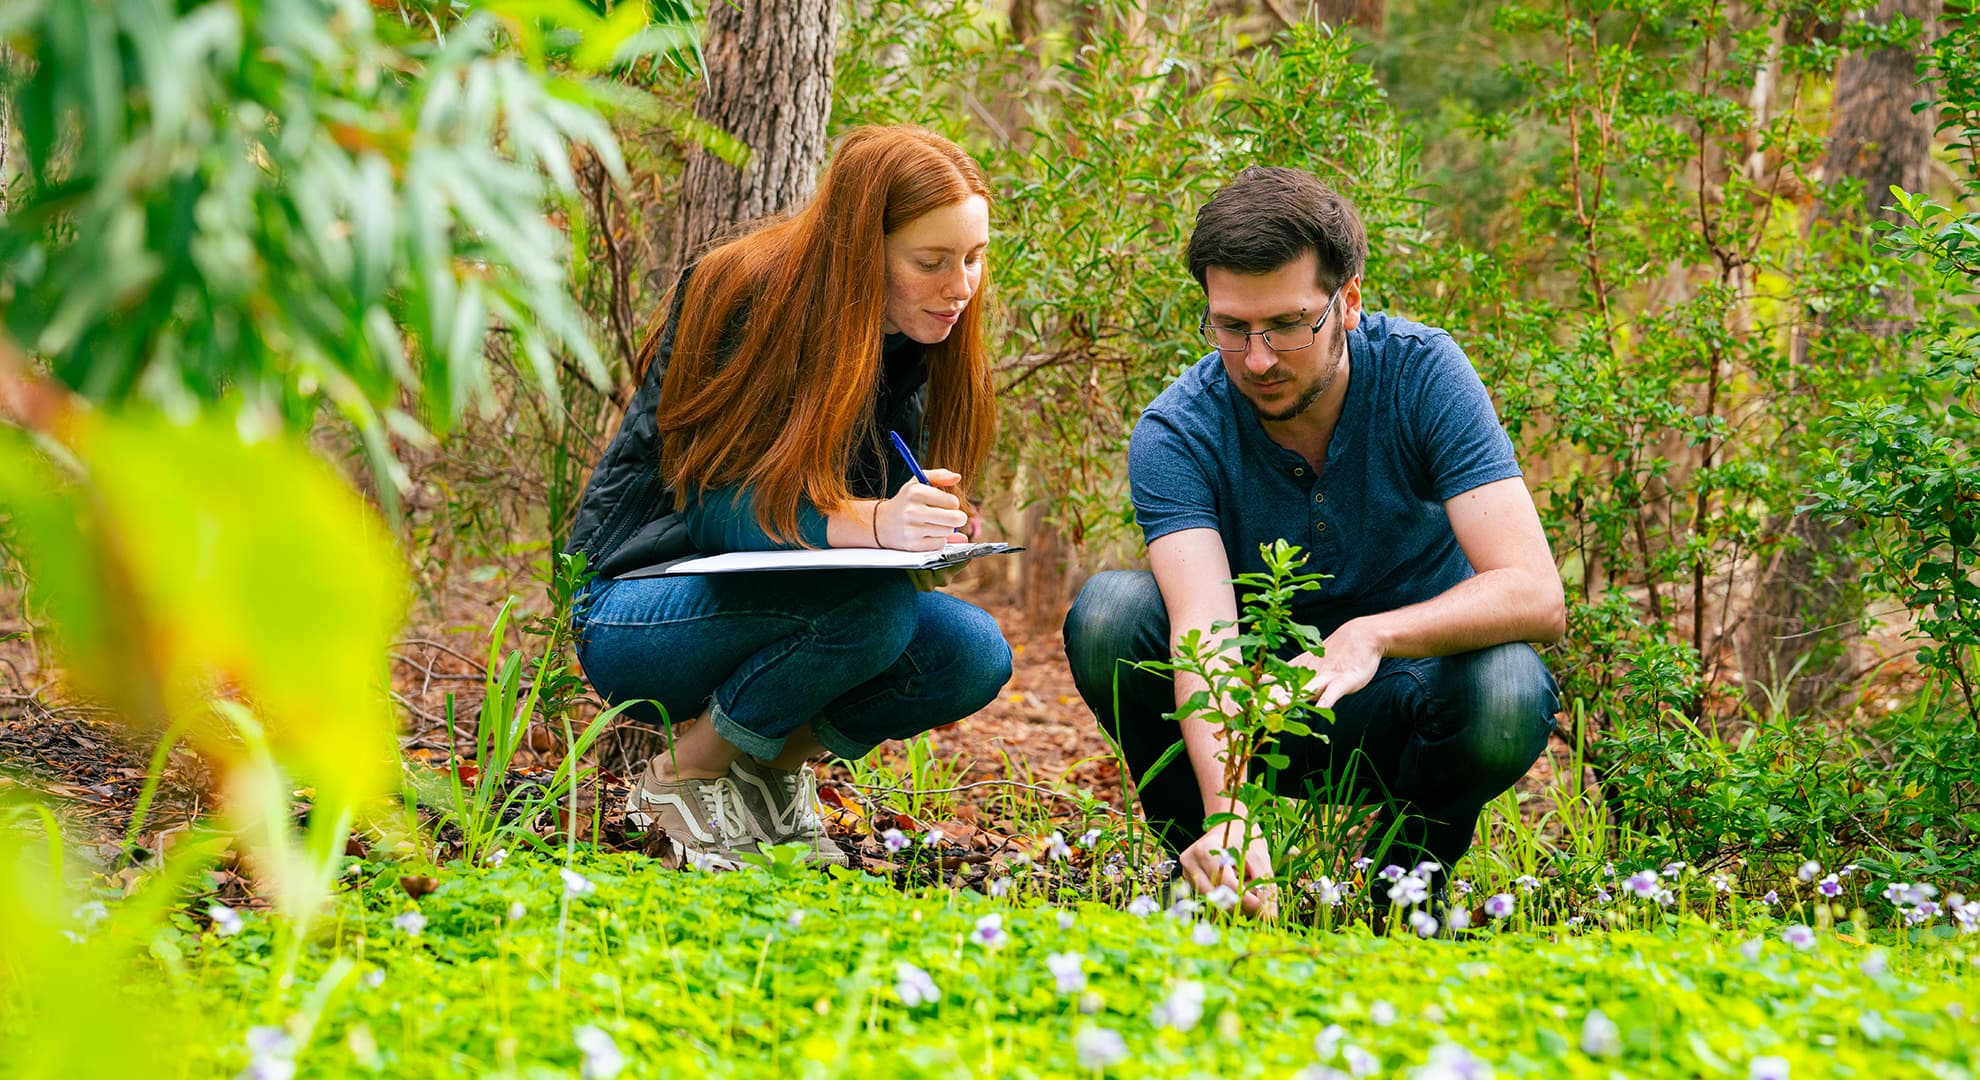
x: 1430, y: 740
x: 860, y: 655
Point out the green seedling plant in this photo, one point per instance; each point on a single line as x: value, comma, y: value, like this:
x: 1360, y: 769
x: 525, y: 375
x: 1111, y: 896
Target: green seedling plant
x: 490, y: 813
x: 1253, y: 692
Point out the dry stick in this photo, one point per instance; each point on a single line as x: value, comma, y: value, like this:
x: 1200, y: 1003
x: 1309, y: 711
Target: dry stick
x: 431, y: 644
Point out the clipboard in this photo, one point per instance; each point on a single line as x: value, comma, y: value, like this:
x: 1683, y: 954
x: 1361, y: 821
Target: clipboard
x: 740, y: 562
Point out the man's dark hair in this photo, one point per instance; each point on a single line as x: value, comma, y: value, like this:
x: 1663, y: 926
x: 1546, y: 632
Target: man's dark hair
x: 1268, y: 217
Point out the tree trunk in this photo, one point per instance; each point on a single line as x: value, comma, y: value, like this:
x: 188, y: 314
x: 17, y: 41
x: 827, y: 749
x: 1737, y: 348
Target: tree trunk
x: 769, y: 66
x: 769, y: 85
x: 1367, y: 14
x: 1807, y: 603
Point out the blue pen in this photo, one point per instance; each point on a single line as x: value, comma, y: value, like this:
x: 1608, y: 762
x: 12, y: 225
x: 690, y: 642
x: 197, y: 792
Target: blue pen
x: 907, y: 456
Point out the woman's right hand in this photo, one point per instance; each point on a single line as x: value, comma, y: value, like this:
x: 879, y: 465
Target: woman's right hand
x: 920, y: 517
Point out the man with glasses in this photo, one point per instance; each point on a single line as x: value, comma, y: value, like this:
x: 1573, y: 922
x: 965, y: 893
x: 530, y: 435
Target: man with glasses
x: 1369, y: 442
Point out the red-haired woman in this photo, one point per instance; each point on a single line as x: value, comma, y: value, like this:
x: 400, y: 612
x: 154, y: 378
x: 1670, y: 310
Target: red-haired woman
x: 769, y: 385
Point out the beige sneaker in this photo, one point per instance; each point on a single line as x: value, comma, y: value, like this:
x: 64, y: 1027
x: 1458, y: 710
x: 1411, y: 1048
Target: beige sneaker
x: 706, y: 820
x: 785, y: 804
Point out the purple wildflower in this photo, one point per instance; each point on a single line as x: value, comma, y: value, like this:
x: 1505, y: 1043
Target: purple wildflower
x: 1057, y: 848
x: 1808, y: 871
x: 1526, y: 882
x: 895, y: 840
x: 1099, y: 1048
x: 1499, y: 905
x: 1204, y: 934
x: 913, y: 986
x: 1068, y: 971
x: 1362, y: 862
x: 1799, y: 936
x: 1830, y: 886
x: 575, y: 884
x: 1183, y: 1008
x: 989, y: 931
x: 1643, y: 884
x: 1767, y: 1068
x: 1393, y: 873
x: 226, y: 921
x: 1143, y: 906
x: 1408, y: 891
x: 1223, y: 897
x: 1600, y: 1037
x: 410, y: 923
x: 1771, y: 898
x: 1423, y: 923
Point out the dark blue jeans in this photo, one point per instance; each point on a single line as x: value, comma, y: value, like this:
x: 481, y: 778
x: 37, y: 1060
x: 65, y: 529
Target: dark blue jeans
x: 1433, y: 739
x: 861, y: 655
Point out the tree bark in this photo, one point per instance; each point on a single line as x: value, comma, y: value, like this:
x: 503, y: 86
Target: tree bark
x: 769, y: 68
x: 1807, y: 603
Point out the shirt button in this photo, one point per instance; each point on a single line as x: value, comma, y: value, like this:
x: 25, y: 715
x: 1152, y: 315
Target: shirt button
x: 1299, y: 472
x: 1319, y: 497
x: 1319, y: 526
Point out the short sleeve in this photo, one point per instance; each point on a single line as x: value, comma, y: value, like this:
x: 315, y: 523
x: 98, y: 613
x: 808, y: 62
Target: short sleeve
x: 724, y: 520
x: 1170, y: 489
x: 1460, y: 441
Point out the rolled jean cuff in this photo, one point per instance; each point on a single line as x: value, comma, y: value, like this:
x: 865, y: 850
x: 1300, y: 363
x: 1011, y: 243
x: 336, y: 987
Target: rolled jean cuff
x: 749, y: 742
x: 831, y: 738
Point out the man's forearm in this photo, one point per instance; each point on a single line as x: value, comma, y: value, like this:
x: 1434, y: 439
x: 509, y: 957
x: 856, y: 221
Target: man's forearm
x: 1492, y: 608
x: 1204, y: 746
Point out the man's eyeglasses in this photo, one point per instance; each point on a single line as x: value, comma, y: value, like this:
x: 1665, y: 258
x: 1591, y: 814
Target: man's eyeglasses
x: 1227, y: 339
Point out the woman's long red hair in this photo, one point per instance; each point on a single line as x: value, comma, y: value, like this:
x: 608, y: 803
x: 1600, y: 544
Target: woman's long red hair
x: 782, y: 410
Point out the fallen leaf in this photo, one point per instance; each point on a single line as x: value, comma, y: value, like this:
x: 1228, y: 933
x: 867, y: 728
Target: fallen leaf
x: 417, y: 886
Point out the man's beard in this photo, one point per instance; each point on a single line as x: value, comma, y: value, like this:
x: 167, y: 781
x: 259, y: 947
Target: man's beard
x: 1313, y: 393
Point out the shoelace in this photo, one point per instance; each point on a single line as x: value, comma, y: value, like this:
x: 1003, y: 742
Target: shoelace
x: 725, y: 808
x: 804, y: 803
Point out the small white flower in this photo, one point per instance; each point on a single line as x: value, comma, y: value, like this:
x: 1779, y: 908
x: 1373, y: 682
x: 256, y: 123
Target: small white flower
x: 1223, y: 860
x: 90, y: 914
x: 1423, y: 923
x: 1808, y: 872
x: 1767, y: 1068
x: 795, y: 919
x: 913, y: 986
x: 1393, y: 873
x: 1325, y: 892
x: 516, y: 910
x: 1381, y: 1014
x: 497, y: 857
x: 1183, y: 1008
x: 1143, y: 906
x: 1643, y: 884
x: 1057, y: 848
x: 1427, y: 869
x: 1664, y: 898
x: 1721, y: 883
x: 271, y: 1054
x: 602, y: 1059
x: 1461, y: 886
x: 1066, y: 920
x: 1449, y: 1062
x: 1099, y: 1048
x: 1360, y: 1062
x: 1671, y: 869
x: 1771, y: 898
x: 932, y: 838
x: 1877, y: 964
x: 1068, y: 971
x: 1458, y: 917
x: 1527, y: 882
x: 226, y: 921
x: 1600, y: 1037
x: 1751, y: 949
x: 575, y: 884
x: 1499, y: 905
x: 1603, y: 896
x: 999, y: 886
x: 1223, y: 897
x: 1362, y: 863
x: 895, y: 839
x: 1799, y: 936
x: 410, y: 923
x: 374, y: 978
x: 1089, y: 838
x: 1328, y: 1042
x: 1204, y: 934
x: 1409, y: 890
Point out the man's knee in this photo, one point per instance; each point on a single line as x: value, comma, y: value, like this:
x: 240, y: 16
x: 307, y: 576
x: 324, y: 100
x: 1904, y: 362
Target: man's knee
x: 1508, y: 700
x: 1117, y: 615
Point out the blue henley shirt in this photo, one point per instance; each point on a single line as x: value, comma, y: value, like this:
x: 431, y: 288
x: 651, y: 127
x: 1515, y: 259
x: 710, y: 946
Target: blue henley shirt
x: 1416, y: 430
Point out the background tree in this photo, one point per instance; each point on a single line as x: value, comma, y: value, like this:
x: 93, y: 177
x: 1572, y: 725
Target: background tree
x: 769, y: 69
x: 1809, y: 601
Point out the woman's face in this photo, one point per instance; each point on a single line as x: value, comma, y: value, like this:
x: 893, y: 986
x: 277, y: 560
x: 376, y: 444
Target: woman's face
x: 934, y: 266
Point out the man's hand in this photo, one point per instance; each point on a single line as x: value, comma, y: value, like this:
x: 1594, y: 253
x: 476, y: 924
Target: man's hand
x: 1206, y: 865
x: 1352, y: 655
